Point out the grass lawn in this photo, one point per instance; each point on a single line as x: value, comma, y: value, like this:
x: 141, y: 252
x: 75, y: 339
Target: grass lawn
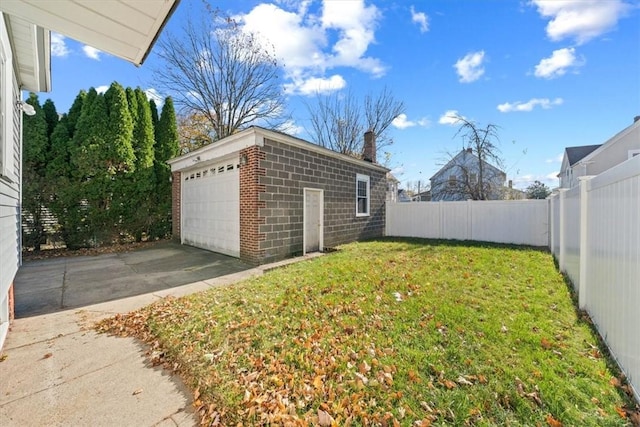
x: 390, y: 332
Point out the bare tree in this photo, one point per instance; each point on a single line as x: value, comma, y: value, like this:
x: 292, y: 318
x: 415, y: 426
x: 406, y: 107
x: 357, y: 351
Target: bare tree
x: 476, y: 171
x: 338, y: 121
x: 380, y: 111
x: 216, y: 69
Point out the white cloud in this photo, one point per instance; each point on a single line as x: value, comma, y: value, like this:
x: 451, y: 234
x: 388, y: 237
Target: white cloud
x: 581, y: 20
x: 402, y: 122
x: 523, y: 181
x: 553, y: 176
x: 153, y: 94
x: 556, y: 159
x: 58, y: 46
x: 421, y: 19
x: 558, y: 63
x: 290, y: 127
x: 469, y: 68
x: 450, y: 118
x: 91, y: 52
x: 544, y: 103
x: 310, y: 43
x: 315, y: 85
x: 102, y: 89
x: 398, y: 171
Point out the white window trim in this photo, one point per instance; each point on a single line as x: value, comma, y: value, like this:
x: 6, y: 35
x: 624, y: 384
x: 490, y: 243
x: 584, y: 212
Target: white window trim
x: 367, y: 179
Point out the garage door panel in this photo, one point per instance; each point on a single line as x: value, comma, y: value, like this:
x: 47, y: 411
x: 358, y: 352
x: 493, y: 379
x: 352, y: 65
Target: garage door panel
x: 211, y: 212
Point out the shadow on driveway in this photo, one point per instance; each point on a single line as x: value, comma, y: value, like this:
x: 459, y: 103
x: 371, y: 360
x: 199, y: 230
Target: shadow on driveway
x: 47, y: 286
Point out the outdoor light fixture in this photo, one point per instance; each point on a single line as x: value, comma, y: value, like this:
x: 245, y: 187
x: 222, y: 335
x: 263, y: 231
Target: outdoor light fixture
x: 243, y: 159
x: 26, y: 108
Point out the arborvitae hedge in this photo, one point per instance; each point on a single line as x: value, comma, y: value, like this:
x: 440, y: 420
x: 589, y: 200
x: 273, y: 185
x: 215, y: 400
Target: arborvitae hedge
x: 97, y: 170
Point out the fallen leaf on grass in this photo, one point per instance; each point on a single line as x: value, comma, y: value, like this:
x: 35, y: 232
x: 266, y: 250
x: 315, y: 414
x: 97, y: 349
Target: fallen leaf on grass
x: 545, y: 343
x: 317, y: 382
x: 621, y: 412
x: 463, y: 381
x: 552, y: 422
x: 324, y: 419
x: 413, y: 377
x: 448, y: 384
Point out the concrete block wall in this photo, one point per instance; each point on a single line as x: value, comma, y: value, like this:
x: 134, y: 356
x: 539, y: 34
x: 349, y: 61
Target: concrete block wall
x: 287, y: 171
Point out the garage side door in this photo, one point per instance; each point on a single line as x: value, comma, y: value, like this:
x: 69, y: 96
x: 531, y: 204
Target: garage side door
x: 211, y: 208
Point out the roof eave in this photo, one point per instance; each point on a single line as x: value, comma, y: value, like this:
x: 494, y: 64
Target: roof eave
x: 43, y: 59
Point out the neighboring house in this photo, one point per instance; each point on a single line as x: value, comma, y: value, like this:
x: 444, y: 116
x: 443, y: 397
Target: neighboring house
x: 403, y: 196
x: 572, y: 155
x: 595, y: 159
x: 510, y: 193
x: 423, y: 196
x: 262, y: 196
x: 459, y: 179
x: 392, y: 188
x: 124, y: 29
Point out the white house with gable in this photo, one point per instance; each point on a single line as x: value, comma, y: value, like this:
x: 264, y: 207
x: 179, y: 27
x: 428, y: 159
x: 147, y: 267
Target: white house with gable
x: 595, y: 159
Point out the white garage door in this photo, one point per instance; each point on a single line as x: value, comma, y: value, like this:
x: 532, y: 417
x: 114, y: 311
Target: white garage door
x: 211, y: 208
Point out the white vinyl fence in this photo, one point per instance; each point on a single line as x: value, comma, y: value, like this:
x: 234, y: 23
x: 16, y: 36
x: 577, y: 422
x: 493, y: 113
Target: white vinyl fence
x: 522, y: 222
x: 595, y: 235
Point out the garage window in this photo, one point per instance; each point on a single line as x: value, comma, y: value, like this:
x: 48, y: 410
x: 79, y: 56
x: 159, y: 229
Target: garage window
x: 362, y: 195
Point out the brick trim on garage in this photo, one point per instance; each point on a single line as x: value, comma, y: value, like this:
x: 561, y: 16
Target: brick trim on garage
x: 251, y: 205
x: 176, y: 197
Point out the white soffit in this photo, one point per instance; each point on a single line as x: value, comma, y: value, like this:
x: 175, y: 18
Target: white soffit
x: 124, y: 28
x: 30, y: 45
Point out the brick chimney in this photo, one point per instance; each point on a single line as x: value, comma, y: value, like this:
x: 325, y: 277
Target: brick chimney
x: 369, y: 152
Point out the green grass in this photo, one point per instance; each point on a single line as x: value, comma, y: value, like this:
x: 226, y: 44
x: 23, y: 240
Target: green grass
x: 390, y: 332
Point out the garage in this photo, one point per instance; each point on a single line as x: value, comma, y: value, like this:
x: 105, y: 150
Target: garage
x: 210, y: 208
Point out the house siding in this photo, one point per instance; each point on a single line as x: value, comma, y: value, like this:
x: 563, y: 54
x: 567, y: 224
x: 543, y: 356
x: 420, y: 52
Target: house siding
x: 287, y: 171
x: 9, y: 191
x: 611, y: 153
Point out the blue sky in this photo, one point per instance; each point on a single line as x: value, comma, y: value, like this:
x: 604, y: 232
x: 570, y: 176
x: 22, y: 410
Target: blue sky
x: 549, y: 73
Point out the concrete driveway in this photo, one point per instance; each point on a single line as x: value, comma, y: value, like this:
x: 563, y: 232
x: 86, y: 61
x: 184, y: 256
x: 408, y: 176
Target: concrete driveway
x: 56, y: 371
x: 47, y: 286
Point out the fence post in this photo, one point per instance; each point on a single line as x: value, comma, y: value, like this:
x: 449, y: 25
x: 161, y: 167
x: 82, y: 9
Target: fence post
x: 584, y: 241
x: 550, y: 223
x: 561, y: 229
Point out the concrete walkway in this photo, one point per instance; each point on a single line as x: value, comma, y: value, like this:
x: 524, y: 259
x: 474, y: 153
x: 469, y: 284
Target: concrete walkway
x: 59, y: 372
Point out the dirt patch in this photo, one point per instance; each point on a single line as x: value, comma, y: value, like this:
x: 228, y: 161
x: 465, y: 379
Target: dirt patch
x: 29, y: 255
